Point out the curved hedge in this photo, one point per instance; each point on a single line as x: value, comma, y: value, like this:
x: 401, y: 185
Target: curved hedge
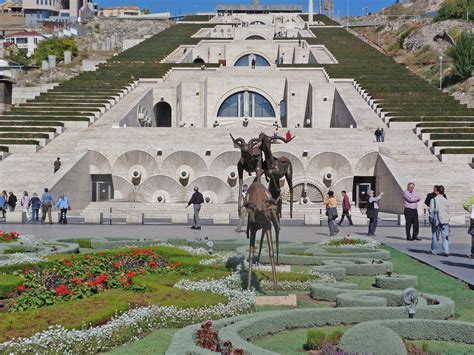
x: 395, y: 282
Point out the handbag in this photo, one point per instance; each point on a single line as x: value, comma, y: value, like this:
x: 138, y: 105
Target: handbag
x: 434, y: 217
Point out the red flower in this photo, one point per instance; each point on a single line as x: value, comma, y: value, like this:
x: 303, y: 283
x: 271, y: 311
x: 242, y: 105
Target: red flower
x: 152, y: 264
x: 116, y: 265
x: 61, y: 290
x: 130, y: 274
x: 171, y: 266
x: 128, y: 283
x: 67, y: 262
x: 122, y: 279
x: 21, y: 288
x: 153, y: 256
x: 101, y: 254
x: 179, y: 263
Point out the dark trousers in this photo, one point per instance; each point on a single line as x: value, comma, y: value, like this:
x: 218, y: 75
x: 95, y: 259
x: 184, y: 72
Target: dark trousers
x: 35, y: 214
x: 411, y: 219
x: 346, y: 213
x: 373, y: 221
x: 63, y: 216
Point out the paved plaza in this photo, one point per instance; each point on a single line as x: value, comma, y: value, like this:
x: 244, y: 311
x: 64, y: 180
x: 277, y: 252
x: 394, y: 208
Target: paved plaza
x: 458, y: 264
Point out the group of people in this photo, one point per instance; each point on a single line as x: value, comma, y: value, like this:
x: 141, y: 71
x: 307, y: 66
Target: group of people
x: 436, y: 202
x: 379, y: 135
x: 33, y: 204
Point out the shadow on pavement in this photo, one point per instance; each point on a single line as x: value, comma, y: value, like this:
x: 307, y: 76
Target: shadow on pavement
x: 463, y: 265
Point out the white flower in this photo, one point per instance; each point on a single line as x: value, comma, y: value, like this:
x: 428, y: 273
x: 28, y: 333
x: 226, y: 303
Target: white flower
x: 361, y: 242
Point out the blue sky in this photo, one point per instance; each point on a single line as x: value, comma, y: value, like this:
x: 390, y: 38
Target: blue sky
x: 188, y: 6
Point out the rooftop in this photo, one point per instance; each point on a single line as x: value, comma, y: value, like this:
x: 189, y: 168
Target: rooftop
x: 25, y: 34
x: 134, y: 8
x: 260, y: 8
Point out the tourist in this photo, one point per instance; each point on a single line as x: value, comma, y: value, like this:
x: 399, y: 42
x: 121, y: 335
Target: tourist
x: 63, y: 205
x: 254, y: 63
x: 410, y: 203
x: 377, y: 135
x: 35, y: 204
x: 25, y: 203
x: 439, y: 218
x: 196, y: 200
x: 469, y: 207
x: 373, y: 211
x: 57, y: 165
x: 275, y: 134
x: 382, y: 135
x: 12, y: 200
x: 346, y: 209
x: 243, y: 210
x: 431, y: 196
x: 3, y: 202
x: 331, y: 212
x: 47, y: 203
x: 288, y: 136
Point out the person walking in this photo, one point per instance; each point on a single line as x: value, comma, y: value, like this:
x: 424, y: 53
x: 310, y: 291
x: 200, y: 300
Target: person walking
x: 3, y: 202
x: 25, y: 203
x: 373, y: 211
x: 12, y: 200
x: 431, y: 195
x: 346, y: 209
x: 410, y: 203
x: 331, y: 212
x: 439, y: 218
x: 377, y: 135
x: 288, y: 136
x: 197, y: 199
x: 35, y: 204
x: 243, y: 210
x: 469, y: 207
x: 382, y: 135
x: 57, y: 165
x: 63, y: 205
x: 47, y: 203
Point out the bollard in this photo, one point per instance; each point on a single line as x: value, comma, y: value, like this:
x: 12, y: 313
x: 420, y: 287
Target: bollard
x: 101, y: 218
x: 424, y: 216
x: 320, y: 217
x: 110, y: 218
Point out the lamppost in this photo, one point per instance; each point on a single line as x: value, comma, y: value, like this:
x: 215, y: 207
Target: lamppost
x: 347, y: 18
x: 441, y: 72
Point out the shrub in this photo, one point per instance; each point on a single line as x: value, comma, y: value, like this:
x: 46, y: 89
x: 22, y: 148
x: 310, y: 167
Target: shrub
x: 463, y: 55
x: 314, y: 339
x: 55, y: 46
x: 455, y: 9
x: 85, y: 243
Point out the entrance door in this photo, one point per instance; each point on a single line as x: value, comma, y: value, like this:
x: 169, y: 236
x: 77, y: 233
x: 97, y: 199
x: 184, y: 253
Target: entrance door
x: 163, y: 114
x: 102, y: 188
x: 362, y: 194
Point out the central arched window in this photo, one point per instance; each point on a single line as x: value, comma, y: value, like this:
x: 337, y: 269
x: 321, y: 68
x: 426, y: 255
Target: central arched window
x: 255, y: 38
x: 246, y: 104
x: 258, y: 22
x: 246, y: 61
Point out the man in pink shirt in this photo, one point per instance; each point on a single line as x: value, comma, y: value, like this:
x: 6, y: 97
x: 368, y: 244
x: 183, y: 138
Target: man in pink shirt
x: 410, y: 202
x: 346, y: 209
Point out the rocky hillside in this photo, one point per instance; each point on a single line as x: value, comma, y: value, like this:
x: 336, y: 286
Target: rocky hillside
x: 414, y: 7
x: 418, y: 43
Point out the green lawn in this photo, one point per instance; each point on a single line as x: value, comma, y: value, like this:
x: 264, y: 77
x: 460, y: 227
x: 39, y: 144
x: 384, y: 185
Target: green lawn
x: 292, y: 341
x: 154, y: 344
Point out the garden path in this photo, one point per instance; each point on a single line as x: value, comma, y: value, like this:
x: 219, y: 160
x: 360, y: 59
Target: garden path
x: 458, y: 264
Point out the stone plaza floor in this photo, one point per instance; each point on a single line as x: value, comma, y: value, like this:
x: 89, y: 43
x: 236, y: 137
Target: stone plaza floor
x: 458, y: 264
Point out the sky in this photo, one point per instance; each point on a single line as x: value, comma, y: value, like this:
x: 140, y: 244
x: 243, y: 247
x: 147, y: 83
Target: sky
x: 177, y: 7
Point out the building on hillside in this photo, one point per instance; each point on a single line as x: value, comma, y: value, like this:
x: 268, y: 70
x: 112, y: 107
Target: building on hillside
x: 43, y: 9
x: 120, y: 11
x: 26, y: 41
x: 12, y: 7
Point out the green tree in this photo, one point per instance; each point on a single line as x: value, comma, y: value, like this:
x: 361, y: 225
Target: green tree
x: 463, y: 55
x: 455, y: 9
x: 55, y: 46
x: 19, y: 58
x: 146, y: 11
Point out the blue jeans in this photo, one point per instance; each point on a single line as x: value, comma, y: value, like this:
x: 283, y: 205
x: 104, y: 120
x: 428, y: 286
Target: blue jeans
x: 35, y: 215
x: 443, y: 230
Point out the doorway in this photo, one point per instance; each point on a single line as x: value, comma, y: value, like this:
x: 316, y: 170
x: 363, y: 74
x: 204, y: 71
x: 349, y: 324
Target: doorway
x: 102, y: 188
x: 163, y: 112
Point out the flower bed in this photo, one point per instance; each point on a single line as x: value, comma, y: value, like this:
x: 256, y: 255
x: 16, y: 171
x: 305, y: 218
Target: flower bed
x: 353, y: 241
x: 8, y: 237
x: 76, y: 278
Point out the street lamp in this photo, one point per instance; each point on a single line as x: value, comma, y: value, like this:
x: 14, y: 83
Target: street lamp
x: 347, y: 18
x: 441, y: 72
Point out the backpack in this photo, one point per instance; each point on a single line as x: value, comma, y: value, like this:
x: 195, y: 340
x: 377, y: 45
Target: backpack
x: 371, y: 209
x: 434, y: 217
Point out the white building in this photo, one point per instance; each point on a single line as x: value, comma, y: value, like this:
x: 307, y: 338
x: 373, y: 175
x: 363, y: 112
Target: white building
x: 26, y: 41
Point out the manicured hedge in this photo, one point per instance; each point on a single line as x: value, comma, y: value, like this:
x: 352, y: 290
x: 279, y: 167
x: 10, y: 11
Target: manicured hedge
x: 395, y: 282
x: 29, y: 123
x: 457, y: 151
x: 4, y: 149
x: 27, y: 129
x: 457, y: 143
x: 18, y: 141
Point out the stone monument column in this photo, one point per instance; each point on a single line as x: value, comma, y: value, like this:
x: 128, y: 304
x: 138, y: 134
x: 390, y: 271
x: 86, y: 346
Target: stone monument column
x: 310, y: 11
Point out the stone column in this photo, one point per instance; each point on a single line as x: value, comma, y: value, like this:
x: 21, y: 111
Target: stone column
x: 67, y: 57
x: 44, y: 65
x: 310, y: 11
x: 52, y: 61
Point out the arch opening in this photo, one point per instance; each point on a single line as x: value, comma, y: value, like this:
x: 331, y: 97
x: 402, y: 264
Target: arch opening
x: 255, y: 38
x: 251, y: 59
x: 246, y: 104
x: 198, y: 61
x: 163, y: 112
